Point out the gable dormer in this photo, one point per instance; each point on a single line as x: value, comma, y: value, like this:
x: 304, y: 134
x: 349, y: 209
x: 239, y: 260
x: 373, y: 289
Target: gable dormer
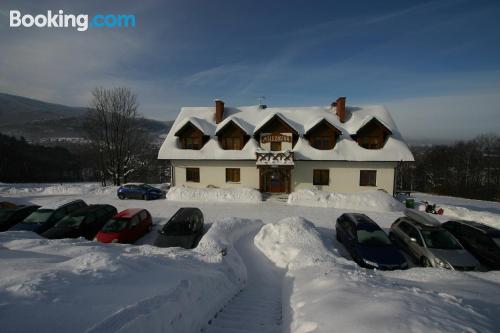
x: 323, y: 135
x: 372, y: 135
x: 191, y: 137
x: 231, y: 136
x: 274, y: 131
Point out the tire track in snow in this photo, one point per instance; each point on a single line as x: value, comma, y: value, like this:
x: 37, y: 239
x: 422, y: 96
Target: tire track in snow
x: 258, y: 307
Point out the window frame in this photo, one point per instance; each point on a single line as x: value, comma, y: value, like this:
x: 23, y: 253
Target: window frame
x: 231, y: 143
x: 319, y: 177
x: 367, y: 180
x: 276, y: 143
x: 193, y: 175
x: 233, y: 175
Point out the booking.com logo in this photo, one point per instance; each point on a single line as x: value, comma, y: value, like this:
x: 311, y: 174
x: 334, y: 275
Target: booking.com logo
x: 61, y: 20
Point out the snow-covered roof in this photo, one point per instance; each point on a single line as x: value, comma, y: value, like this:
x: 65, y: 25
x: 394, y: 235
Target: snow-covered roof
x: 302, y: 119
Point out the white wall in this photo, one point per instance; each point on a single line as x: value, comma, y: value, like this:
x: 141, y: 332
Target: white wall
x: 344, y: 176
x: 214, y: 173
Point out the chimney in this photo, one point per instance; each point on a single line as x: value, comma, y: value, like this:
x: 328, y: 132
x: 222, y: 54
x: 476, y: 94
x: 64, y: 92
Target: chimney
x: 219, y: 110
x: 339, y: 105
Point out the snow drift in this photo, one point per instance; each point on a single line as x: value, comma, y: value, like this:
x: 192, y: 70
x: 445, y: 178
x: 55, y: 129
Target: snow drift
x: 55, y: 189
x: 463, y: 213
x: 328, y: 291
x: 78, y: 285
x: 247, y: 195
x: 363, y: 201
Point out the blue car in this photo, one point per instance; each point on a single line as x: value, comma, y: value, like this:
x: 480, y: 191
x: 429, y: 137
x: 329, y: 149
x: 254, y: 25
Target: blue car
x: 139, y: 191
x: 367, y: 243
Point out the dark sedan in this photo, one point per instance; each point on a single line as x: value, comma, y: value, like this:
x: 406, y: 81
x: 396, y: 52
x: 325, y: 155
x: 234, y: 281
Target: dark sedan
x: 84, y: 222
x: 367, y: 243
x: 184, y: 229
x: 9, y: 217
x: 46, y: 217
x: 481, y: 240
x: 139, y: 191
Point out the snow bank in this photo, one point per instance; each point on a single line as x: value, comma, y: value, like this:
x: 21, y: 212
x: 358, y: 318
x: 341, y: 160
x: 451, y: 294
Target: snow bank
x: 55, y: 189
x: 328, y: 291
x: 82, y: 286
x: 247, y: 195
x: 363, y: 201
x: 463, y: 213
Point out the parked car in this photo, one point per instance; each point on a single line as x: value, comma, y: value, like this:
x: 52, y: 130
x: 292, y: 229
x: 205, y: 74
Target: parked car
x: 184, y: 229
x: 126, y: 227
x: 481, y: 240
x: 45, y: 218
x: 430, y: 244
x: 139, y: 191
x: 367, y: 243
x: 6, y: 204
x: 84, y: 222
x: 9, y: 217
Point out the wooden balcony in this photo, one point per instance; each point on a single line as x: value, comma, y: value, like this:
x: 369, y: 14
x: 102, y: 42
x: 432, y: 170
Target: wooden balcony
x: 275, y: 158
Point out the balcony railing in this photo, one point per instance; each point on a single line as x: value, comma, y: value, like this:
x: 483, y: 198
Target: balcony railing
x: 275, y: 158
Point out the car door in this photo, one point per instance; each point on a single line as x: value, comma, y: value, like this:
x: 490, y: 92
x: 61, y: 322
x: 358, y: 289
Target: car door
x: 484, y: 248
x: 134, y: 228
x: 342, y: 229
x: 88, y: 229
x: 416, y: 244
x: 406, y: 232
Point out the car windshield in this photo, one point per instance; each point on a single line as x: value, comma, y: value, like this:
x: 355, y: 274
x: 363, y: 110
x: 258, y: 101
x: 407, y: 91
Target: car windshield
x: 70, y: 222
x: 39, y: 216
x: 115, y: 225
x: 5, y: 213
x: 177, y: 228
x: 496, y: 240
x: 373, y: 238
x: 440, y: 239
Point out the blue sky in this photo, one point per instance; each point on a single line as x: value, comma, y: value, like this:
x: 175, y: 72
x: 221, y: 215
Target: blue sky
x: 435, y: 64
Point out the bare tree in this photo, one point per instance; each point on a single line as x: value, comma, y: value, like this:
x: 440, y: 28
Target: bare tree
x: 112, y: 126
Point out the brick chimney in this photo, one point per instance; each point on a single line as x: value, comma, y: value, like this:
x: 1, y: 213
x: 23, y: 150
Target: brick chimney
x: 339, y: 105
x: 219, y: 110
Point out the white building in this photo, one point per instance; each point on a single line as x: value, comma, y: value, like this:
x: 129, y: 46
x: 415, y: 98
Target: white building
x: 335, y: 148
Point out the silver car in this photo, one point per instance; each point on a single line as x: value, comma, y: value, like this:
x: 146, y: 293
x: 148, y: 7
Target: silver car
x: 431, y: 245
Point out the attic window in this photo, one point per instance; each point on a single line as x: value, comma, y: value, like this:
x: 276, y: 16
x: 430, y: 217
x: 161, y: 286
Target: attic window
x: 372, y: 135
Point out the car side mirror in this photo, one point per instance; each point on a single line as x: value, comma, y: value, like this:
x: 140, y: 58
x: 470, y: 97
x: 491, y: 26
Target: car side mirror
x: 413, y: 240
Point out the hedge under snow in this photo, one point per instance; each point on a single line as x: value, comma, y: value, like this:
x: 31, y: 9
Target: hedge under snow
x: 363, y: 201
x: 247, y: 195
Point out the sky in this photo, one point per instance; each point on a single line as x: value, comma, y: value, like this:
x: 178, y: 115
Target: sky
x: 434, y: 64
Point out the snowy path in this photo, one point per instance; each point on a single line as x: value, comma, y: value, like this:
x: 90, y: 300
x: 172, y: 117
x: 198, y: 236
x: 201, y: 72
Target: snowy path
x: 257, y: 308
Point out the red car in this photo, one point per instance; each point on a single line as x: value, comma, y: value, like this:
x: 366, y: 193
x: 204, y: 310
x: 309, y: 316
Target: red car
x: 126, y: 227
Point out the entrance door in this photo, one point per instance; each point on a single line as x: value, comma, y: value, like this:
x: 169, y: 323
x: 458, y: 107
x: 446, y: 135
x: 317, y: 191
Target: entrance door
x: 275, y: 180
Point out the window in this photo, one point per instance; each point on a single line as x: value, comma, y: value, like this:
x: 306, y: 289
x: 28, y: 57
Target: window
x: 371, y: 142
x: 193, y: 175
x: 321, y: 177
x: 230, y: 143
x: 322, y: 142
x: 368, y: 178
x: 232, y: 175
x: 275, y: 146
x: 190, y: 143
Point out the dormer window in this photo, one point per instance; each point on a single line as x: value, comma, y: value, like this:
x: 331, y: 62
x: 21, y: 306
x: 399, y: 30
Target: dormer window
x: 323, y: 135
x: 191, y: 137
x: 372, y: 135
x: 231, y: 136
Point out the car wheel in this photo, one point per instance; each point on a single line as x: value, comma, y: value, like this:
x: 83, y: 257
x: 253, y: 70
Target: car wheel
x: 425, y: 262
x: 121, y: 196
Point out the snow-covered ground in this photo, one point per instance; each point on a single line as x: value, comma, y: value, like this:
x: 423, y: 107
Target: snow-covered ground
x: 78, y: 285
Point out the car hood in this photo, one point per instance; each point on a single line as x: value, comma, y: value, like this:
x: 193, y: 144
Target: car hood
x: 383, y: 255
x: 57, y: 233
x: 456, y: 257
x: 184, y: 241
x: 35, y: 227
x: 107, y: 237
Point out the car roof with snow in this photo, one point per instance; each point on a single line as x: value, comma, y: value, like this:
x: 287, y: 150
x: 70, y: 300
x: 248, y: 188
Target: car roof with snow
x: 486, y: 229
x: 301, y: 119
x: 361, y: 221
